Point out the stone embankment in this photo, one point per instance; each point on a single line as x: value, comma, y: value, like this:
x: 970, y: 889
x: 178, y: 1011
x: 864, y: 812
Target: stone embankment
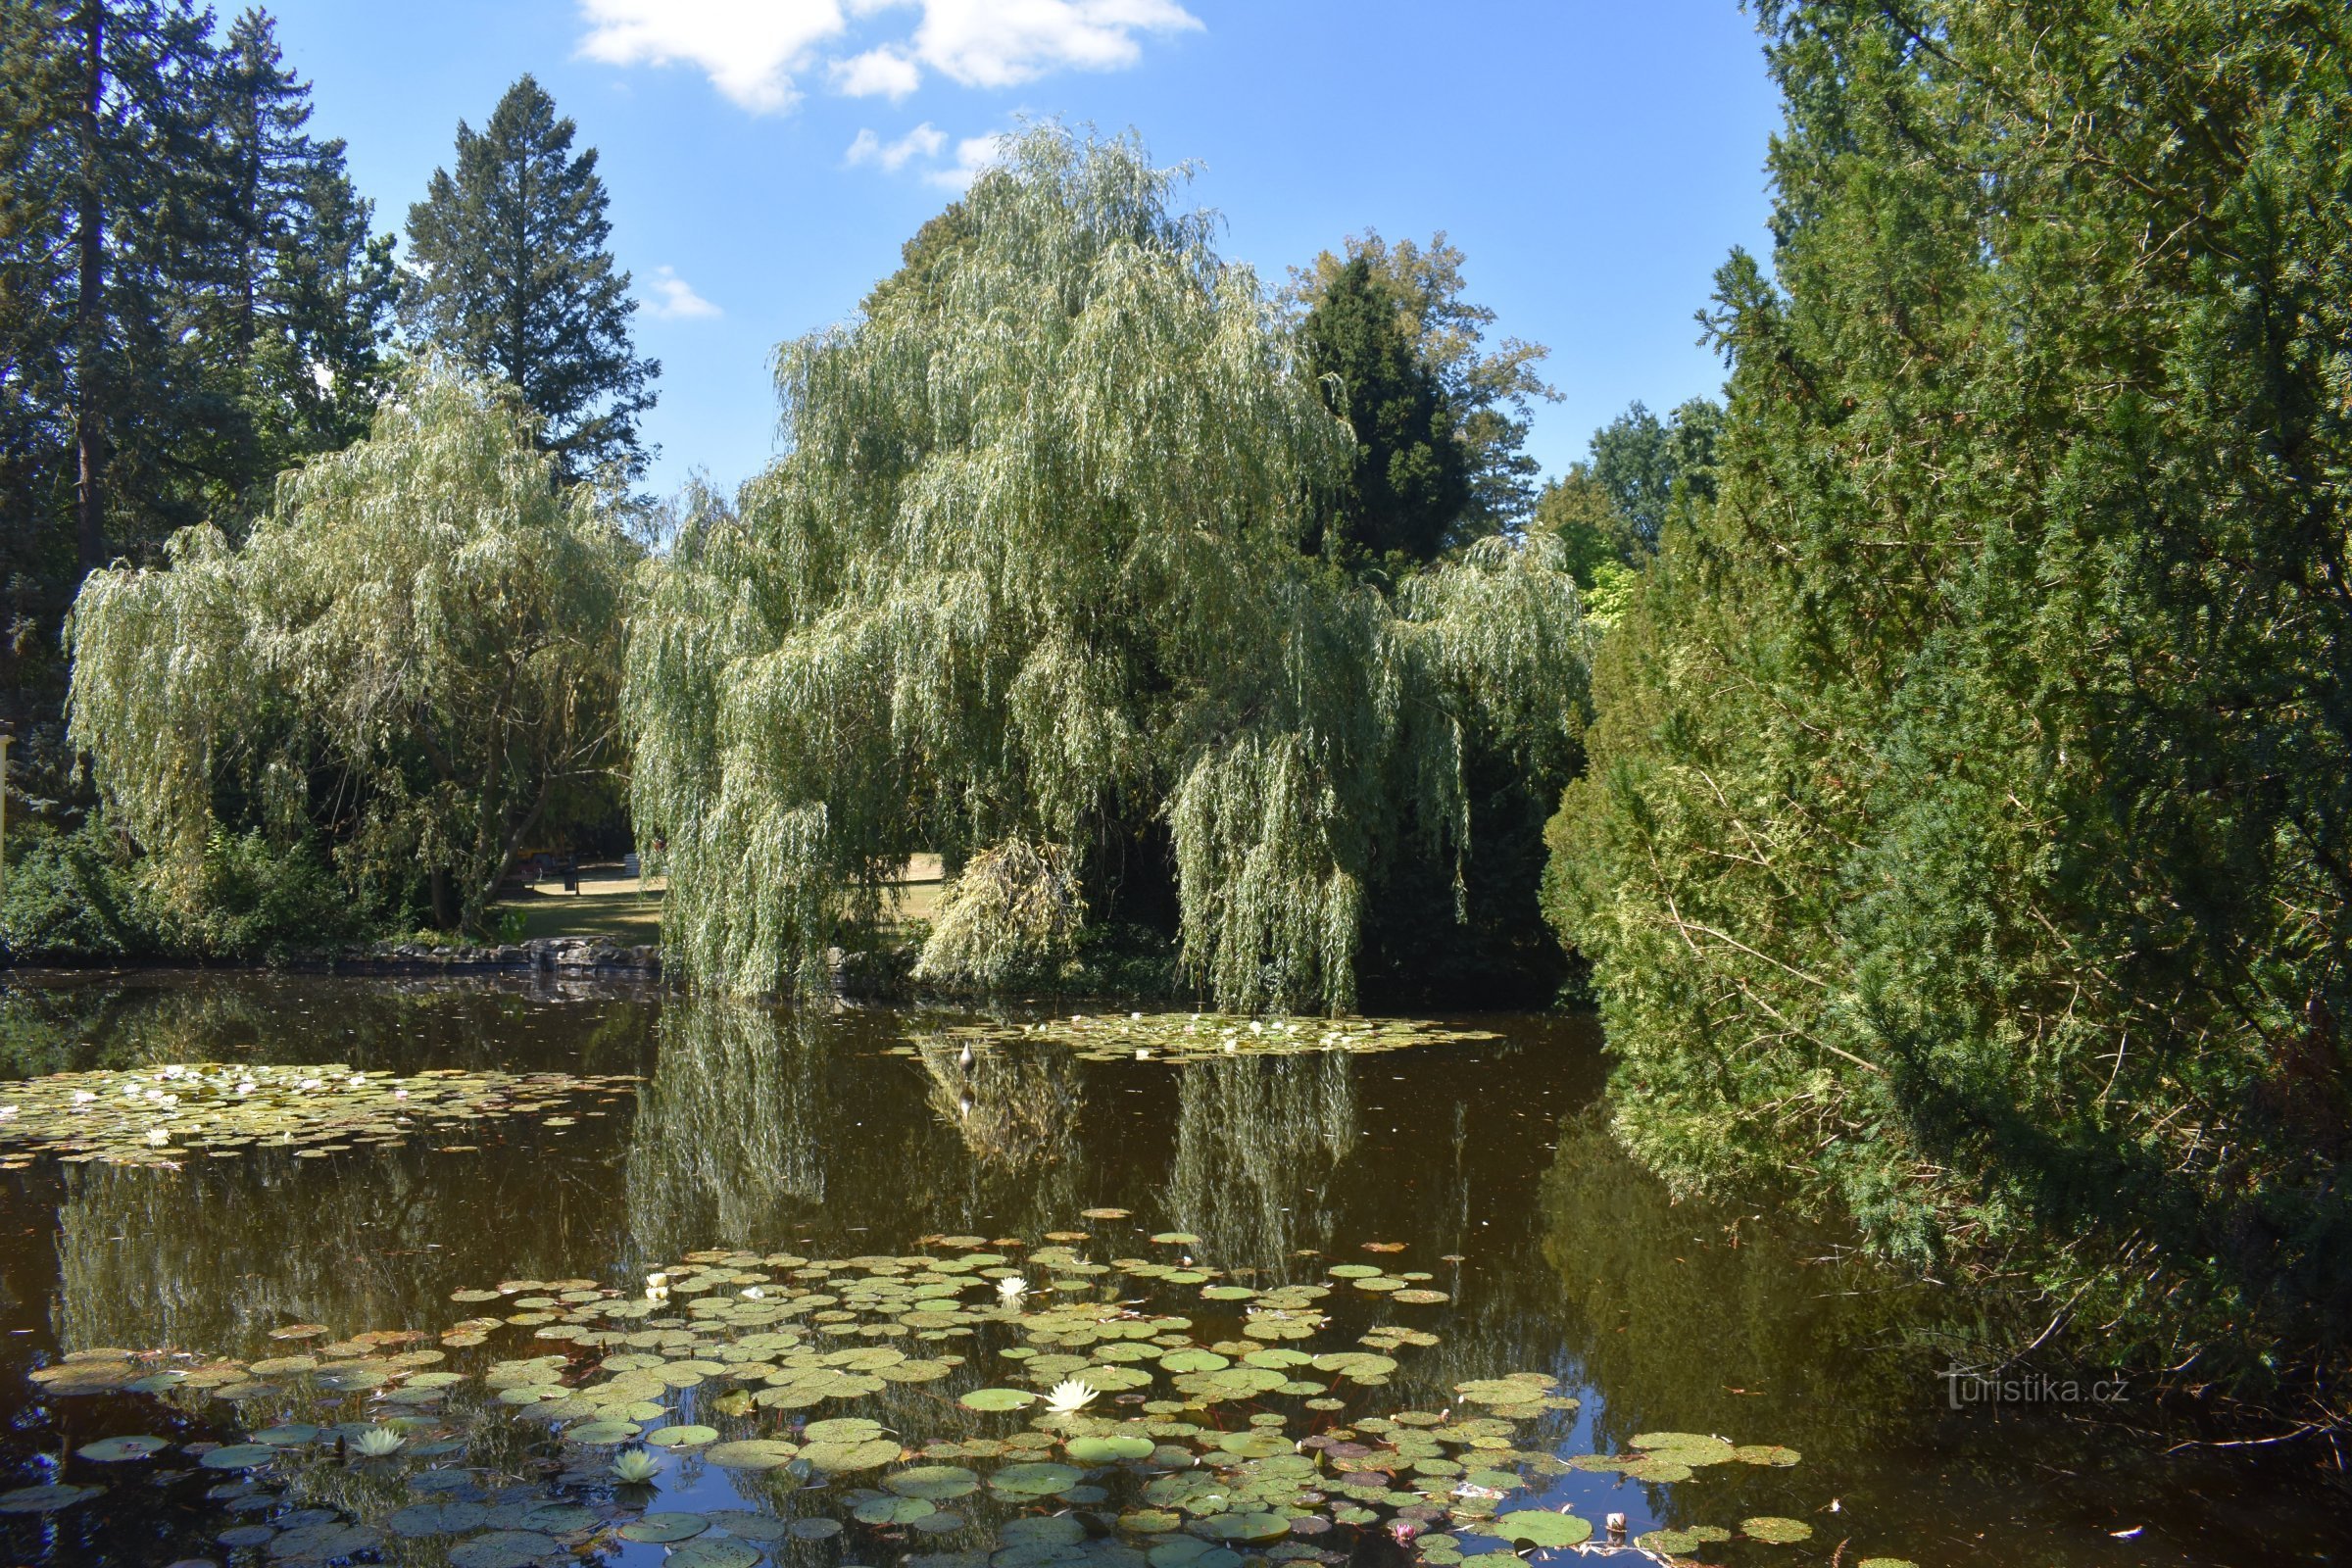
x: 559, y: 956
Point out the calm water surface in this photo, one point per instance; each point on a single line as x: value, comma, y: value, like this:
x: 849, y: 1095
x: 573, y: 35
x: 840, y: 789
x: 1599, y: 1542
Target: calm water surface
x: 841, y: 1135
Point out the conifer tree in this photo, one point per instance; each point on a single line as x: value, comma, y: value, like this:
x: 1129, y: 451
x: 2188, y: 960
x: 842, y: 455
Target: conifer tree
x: 508, y: 272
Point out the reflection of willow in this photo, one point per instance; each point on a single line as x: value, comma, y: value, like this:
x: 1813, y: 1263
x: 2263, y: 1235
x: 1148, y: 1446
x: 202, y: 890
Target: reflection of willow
x: 210, y: 1258
x: 1016, y: 1112
x: 395, y: 1024
x: 728, y: 1146
x: 1258, y: 1142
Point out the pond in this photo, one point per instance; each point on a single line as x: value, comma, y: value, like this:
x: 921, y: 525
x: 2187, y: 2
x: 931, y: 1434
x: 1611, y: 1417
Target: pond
x: 315, y: 1269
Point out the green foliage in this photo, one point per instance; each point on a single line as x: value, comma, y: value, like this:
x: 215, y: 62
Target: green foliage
x: 1032, y: 571
x: 415, y: 656
x: 190, y: 299
x: 1651, y: 468
x: 1481, y: 396
x: 1013, y: 907
x: 1964, y: 836
x: 74, y: 897
x: 511, y: 275
x: 1408, y: 487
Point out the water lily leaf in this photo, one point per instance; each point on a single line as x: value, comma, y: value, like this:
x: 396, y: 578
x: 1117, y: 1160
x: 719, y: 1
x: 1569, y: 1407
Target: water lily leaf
x: 814, y: 1529
x: 682, y: 1437
x: 664, y: 1527
x: 601, y: 1433
x: 937, y: 1482
x: 707, y: 1552
x: 1683, y: 1541
x: 1542, y: 1528
x: 328, y: 1539
x: 996, y: 1399
x: 1034, y: 1480
x: 1260, y: 1525
x: 1108, y: 1450
x: 45, y: 1500
x: 840, y: 1458
x: 449, y: 1518
x: 1775, y: 1530
x: 1767, y: 1454
x: 504, y: 1548
x: 1043, y: 1530
x: 893, y: 1510
x: 1193, y: 1361
x: 752, y: 1453
x: 747, y: 1525
x: 114, y: 1451
x: 1887, y: 1562
x: 238, y: 1456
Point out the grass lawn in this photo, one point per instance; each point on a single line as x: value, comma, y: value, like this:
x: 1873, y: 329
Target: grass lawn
x: 609, y: 904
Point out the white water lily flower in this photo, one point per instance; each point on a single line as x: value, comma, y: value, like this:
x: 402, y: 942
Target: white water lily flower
x: 1069, y: 1396
x: 83, y: 1096
x: 312, y: 1083
x: 159, y: 1136
x: 377, y: 1442
x: 356, y: 1081
x: 7, y: 1111
x: 635, y: 1465
x: 1012, y: 1288
x: 755, y: 1294
x: 246, y: 1087
x: 174, y: 1070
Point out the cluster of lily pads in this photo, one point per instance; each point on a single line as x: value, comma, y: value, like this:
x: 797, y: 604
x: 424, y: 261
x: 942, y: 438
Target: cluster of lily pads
x: 159, y: 1115
x: 1199, y: 1036
x: 975, y: 1404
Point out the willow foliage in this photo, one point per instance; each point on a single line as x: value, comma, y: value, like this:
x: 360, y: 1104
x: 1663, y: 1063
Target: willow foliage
x: 1966, y: 832
x: 1031, y: 570
x: 415, y: 655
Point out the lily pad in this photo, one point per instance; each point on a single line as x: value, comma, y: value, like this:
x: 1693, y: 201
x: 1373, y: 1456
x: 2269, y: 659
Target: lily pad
x: 1108, y: 1450
x: 996, y: 1399
x: 709, y: 1552
x: 504, y: 1548
x: 752, y: 1453
x: 1542, y: 1528
x: 114, y: 1451
x: 45, y: 1500
x: 937, y: 1482
x: 664, y: 1527
x: 238, y: 1456
x: 1775, y: 1530
x: 682, y: 1437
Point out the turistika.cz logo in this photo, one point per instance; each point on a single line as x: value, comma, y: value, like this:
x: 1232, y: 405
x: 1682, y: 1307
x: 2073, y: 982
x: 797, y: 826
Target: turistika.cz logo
x: 1965, y: 1386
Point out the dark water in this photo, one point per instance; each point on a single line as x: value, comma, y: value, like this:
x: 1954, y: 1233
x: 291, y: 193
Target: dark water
x: 823, y: 1136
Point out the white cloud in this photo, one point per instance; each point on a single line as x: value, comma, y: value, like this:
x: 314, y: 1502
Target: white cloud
x: 748, y: 48
x: 753, y: 49
x: 974, y: 153
x: 892, y: 156
x: 1000, y: 43
x: 676, y: 299
x: 877, y: 73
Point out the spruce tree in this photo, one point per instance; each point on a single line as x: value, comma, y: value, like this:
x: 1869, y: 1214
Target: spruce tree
x: 303, y: 289
x: 508, y: 272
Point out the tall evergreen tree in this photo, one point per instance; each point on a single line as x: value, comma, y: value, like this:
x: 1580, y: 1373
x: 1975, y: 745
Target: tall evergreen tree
x: 508, y: 272
x: 1647, y: 465
x: 183, y: 276
x: 1407, y: 492
x: 1484, y: 392
x: 305, y: 288
x: 1965, y: 839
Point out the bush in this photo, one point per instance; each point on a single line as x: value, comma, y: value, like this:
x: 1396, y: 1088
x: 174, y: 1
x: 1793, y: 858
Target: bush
x: 255, y: 899
x: 74, y: 897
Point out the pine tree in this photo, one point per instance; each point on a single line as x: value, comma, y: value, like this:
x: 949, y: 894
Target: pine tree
x: 304, y: 288
x: 509, y: 273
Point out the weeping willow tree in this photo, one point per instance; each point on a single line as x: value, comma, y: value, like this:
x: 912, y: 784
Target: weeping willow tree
x: 1031, y: 574
x: 415, y: 655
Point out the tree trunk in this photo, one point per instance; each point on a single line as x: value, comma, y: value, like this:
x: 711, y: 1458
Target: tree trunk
x: 444, y: 917
x: 89, y: 509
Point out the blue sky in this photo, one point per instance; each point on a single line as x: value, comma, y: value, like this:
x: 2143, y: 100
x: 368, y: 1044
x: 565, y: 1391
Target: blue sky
x: 766, y: 158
